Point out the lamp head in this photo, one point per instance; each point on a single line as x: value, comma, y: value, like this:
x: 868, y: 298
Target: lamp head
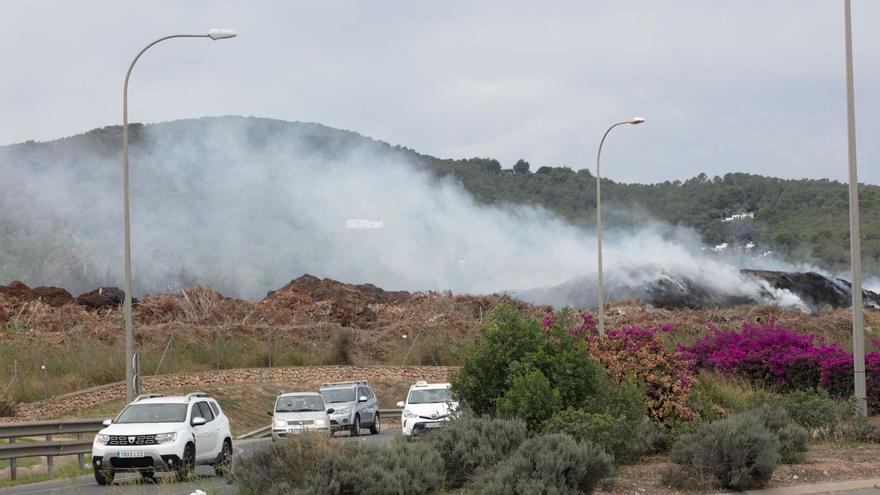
x: 221, y: 34
x: 637, y: 120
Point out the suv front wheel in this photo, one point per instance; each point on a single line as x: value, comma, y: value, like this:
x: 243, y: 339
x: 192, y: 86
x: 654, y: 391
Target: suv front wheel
x: 187, y: 463
x: 103, y: 476
x: 356, y: 428
x: 376, y: 427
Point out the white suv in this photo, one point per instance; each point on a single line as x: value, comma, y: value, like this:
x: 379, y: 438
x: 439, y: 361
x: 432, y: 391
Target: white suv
x: 156, y: 433
x: 427, y: 406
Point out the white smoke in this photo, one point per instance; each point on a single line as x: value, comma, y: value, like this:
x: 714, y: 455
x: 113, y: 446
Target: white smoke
x: 247, y: 204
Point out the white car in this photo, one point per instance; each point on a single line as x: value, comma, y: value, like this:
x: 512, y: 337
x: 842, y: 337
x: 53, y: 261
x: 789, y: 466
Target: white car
x: 156, y: 433
x: 428, y: 406
x: 299, y: 412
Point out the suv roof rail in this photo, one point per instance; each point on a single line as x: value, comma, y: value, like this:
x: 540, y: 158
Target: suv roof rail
x: 147, y: 396
x: 192, y: 395
x: 332, y: 384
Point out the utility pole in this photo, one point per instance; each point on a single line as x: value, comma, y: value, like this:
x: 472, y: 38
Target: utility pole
x: 860, y: 391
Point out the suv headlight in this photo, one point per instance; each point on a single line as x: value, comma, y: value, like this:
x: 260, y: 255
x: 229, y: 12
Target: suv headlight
x: 166, y: 437
x: 342, y: 410
x: 319, y: 422
x: 409, y: 414
x: 102, y: 439
x: 279, y: 423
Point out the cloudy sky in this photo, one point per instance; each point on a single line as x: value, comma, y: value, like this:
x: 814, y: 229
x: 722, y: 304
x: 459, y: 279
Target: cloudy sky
x: 751, y: 86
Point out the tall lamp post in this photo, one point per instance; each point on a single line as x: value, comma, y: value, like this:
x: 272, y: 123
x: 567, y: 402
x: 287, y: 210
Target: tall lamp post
x: 214, y: 34
x: 600, y: 305
x: 860, y: 391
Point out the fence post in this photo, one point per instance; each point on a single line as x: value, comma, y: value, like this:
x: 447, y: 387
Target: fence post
x: 45, y: 381
x: 12, y: 462
x: 80, y: 458
x: 49, y: 459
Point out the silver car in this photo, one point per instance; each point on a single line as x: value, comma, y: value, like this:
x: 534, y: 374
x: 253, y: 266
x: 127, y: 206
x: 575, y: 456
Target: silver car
x: 354, y: 407
x: 299, y: 412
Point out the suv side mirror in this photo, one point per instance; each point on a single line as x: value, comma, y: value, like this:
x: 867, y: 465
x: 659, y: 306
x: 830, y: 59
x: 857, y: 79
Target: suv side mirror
x: 362, y: 398
x: 400, y: 404
x: 107, y: 422
x: 198, y: 421
x: 331, y: 411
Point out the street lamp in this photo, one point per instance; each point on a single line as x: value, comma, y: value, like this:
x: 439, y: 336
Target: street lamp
x: 214, y: 34
x: 859, y: 389
x: 600, y: 291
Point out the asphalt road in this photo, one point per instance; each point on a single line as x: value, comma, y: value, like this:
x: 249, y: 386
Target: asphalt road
x: 205, y: 479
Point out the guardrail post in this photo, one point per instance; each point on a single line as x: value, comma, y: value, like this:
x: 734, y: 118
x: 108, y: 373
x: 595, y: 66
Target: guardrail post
x: 80, y: 458
x: 49, y: 459
x: 12, y: 462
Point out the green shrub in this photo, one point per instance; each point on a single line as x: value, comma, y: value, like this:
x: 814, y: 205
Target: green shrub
x: 714, y: 396
x: 340, y: 350
x: 549, y: 464
x: 403, y: 468
x: 530, y: 398
x: 816, y: 411
x: 507, y: 337
x: 736, y: 452
x: 471, y: 445
x: 280, y: 466
x: 792, y: 438
x: 618, y: 436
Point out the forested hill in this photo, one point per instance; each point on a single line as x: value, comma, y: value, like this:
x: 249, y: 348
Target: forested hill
x: 58, y: 197
x: 800, y: 220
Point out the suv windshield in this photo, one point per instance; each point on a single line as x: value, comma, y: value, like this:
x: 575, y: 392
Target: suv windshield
x: 153, y: 413
x: 429, y: 396
x: 299, y: 404
x: 338, y: 395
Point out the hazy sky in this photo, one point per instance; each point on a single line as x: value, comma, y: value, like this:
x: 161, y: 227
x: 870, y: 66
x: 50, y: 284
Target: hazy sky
x: 751, y: 86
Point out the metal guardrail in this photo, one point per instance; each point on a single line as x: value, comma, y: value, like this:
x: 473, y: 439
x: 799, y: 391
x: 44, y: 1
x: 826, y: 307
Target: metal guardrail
x: 49, y: 448
x: 267, y: 430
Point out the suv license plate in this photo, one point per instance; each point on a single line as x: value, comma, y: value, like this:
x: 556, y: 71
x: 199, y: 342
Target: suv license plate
x: 131, y: 453
x: 433, y: 425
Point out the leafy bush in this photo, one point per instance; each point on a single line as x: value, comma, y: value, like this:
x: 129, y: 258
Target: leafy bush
x: 359, y: 468
x: 792, y: 438
x: 639, y: 354
x: 736, y: 452
x: 340, y: 350
x: 837, y: 377
x: 816, y: 411
x: 280, y: 466
x: 530, y: 398
x: 615, y: 435
x: 519, y: 369
x: 471, y: 445
x: 506, y: 337
x: 549, y: 464
x: 715, y: 396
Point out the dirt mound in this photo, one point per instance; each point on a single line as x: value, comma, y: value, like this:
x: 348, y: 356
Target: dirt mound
x: 53, y: 296
x: 101, y: 298
x: 346, y: 304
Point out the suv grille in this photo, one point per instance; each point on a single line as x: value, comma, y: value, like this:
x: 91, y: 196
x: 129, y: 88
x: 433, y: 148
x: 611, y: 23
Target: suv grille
x: 132, y: 440
x: 131, y: 462
x: 302, y: 422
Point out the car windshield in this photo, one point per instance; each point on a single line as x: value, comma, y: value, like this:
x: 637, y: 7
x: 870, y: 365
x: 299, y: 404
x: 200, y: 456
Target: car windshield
x: 299, y: 403
x: 429, y: 396
x: 334, y: 395
x: 153, y: 413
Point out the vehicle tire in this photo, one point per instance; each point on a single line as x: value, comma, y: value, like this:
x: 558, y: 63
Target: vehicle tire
x: 104, y: 476
x: 187, y: 463
x: 376, y: 427
x: 356, y: 427
x: 225, y: 461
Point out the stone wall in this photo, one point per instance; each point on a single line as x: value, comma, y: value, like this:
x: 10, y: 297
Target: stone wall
x: 68, y: 404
